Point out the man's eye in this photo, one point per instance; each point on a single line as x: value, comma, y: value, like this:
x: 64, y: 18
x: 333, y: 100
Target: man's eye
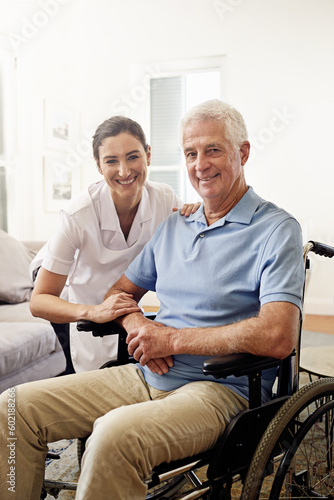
x: 214, y: 151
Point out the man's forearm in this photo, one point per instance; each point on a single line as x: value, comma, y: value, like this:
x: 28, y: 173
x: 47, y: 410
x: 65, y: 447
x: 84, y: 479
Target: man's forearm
x: 132, y: 320
x: 272, y: 333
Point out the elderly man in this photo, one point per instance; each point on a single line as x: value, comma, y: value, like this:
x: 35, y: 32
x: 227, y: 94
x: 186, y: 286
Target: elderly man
x: 229, y: 279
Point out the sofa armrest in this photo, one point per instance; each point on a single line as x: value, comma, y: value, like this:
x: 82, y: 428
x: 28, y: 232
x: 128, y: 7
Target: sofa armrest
x: 34, y: 245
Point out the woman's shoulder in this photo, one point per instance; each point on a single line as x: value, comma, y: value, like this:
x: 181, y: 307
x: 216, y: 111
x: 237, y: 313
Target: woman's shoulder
x: 159, y: 187
x: 160, y: 191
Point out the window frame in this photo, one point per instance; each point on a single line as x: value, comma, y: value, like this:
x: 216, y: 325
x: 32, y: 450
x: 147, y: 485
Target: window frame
x: 140, y: 110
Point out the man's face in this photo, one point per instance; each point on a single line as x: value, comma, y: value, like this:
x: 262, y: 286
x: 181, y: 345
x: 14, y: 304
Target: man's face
x: 215, y: 168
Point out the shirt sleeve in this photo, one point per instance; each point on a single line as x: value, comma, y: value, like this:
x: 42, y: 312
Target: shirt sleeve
x: 61, y: 249
x: 281, y: 270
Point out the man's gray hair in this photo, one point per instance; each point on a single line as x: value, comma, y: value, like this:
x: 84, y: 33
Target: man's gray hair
x: 216, y: 110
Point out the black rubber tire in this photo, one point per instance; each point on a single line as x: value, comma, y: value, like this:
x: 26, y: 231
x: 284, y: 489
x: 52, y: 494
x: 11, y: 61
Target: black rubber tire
x: 287, y: 432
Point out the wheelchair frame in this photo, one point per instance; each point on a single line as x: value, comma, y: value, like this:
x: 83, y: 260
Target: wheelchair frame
x: 262, y: 443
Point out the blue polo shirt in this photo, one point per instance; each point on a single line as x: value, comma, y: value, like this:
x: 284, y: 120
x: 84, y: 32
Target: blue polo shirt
x: 218, y: 275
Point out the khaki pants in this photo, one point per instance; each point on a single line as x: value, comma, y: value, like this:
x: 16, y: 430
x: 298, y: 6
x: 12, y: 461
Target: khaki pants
x: 133, y: 427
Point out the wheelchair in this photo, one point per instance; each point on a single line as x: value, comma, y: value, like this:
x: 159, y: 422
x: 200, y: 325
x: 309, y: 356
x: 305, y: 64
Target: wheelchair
x: 280, y: 449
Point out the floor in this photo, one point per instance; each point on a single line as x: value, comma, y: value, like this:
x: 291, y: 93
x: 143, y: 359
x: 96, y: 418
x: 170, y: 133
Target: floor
x: 316, y: 323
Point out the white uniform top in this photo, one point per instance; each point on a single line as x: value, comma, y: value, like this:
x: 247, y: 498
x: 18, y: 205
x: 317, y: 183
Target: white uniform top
x: 89, y: 246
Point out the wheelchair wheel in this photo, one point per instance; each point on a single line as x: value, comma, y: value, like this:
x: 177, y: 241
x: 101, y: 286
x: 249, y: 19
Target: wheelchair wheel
x: 295, y: 457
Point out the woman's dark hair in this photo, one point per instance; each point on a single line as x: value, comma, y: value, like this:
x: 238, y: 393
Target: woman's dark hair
x: 114, y: 126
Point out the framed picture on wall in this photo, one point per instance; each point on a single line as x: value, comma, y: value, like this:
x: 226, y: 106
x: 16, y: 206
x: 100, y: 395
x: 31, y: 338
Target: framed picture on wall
x: 61, y: 181
x: 61, y: 127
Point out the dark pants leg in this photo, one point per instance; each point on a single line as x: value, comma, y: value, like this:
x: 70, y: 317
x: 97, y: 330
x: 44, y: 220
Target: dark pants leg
x: 63, y: 333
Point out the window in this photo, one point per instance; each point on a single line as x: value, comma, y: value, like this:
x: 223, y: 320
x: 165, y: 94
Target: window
x: 173, y: 89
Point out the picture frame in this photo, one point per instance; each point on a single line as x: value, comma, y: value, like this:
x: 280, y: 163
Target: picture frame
x: 60, y: 127
x: 61, y: 182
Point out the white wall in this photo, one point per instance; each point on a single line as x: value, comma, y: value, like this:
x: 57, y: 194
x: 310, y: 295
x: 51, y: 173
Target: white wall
x: 279, y: 74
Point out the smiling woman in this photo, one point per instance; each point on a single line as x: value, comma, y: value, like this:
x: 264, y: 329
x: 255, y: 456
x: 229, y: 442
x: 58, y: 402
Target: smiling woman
x: 101, y: 231
x: 123, y: 161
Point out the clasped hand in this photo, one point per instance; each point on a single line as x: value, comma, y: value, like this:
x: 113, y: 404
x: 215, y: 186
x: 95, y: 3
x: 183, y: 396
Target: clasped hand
x: 147, y: 343
x: 150, y: 344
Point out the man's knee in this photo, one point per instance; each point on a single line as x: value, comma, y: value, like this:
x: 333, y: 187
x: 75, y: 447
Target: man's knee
x: 120, y: 438
x: 4, y: 397
x: 10, y: 401
x: 118, y: 427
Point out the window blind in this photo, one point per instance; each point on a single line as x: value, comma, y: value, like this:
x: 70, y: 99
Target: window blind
x: 166, y: 113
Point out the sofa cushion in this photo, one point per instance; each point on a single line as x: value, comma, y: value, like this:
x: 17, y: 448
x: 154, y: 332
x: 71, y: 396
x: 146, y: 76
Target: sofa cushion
x: 23, y: 343
x: 18, y: 312
x: 15, y: 283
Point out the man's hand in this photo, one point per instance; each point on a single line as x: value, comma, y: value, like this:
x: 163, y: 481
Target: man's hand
x: 114, y: 306
x: 150, y: 344
x: 160, y: 365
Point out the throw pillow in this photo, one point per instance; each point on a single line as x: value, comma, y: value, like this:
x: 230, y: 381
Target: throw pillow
x: 15, y: 281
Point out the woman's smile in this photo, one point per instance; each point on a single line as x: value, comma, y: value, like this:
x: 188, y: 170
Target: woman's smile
x: 126, y: 182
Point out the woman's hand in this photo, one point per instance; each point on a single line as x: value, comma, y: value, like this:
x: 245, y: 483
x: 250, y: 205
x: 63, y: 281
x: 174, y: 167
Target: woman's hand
x: 188, y: 208
x: 117, y: 304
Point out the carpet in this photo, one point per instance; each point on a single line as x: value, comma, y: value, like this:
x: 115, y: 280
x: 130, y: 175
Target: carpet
x: 67, y: 469
x: 316, y: 339
x: 64, y: 469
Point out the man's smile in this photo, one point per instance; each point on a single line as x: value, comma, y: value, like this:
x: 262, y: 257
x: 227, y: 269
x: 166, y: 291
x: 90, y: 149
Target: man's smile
x: 208, y: 178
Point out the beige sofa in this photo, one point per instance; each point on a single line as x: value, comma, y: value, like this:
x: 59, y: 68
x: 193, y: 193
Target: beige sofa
x: 29, y: 348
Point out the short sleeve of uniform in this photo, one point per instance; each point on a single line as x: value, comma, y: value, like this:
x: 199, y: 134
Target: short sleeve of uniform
x: 60, y: 253
x: 281, y: 269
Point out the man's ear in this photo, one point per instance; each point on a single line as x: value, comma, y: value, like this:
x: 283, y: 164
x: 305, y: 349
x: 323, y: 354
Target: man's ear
x: 244, y: 152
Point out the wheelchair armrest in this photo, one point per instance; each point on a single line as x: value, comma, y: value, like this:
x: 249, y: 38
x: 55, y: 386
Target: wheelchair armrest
x: 237, y: 365
x: 109, y: 328
x: 100, y: 329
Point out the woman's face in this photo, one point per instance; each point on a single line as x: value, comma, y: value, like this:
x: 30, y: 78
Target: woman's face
x: 123, y: 163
